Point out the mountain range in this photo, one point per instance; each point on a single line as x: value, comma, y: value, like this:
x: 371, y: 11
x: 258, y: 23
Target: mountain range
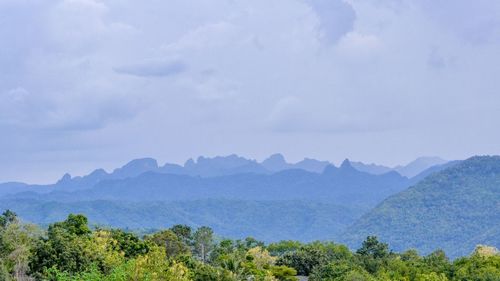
x: 454, y: 209
x: 445, y: 205
x: 213, y: 167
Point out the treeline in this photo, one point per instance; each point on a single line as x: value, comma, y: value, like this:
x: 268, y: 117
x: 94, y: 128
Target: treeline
x: 71, y: 251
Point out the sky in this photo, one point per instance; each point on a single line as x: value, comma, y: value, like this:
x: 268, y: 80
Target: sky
x: 95, y: 83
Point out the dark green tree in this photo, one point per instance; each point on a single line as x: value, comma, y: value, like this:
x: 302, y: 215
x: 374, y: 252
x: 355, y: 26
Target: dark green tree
x: 373, y: 254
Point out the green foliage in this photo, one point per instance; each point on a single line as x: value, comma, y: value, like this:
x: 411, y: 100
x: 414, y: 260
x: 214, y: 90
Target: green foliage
x: 71, y: 251
x: 306, y: 257
x: 453, y: 210
x: 304, y: 260
x: 282, y: 247
x: 74, y: 225
x: 340, y: 271
x: 16, y: 243
x: 373, y: 254
x: 478, y: 268
x: 129, y: 243
x: 203, y: 240
x: 168, y: 239
x: 7, y: 217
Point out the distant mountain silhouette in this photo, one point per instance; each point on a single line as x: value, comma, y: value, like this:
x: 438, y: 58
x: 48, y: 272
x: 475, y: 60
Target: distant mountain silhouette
x: 410, y: 170
x: 419, y: 165
x: 455, y: 209
x: 344, y: 185
x: 371, y: 168
x: 203, y: 167
x: 277, y: 162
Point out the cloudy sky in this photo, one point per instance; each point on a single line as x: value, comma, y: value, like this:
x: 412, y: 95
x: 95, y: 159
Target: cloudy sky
x: 95, y: 83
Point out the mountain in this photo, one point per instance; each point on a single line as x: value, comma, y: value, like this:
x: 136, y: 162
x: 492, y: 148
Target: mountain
x: 135, y: 168
x: 454, y: 209
x: 268, y: 220
x: 433, y: 169
x: 371, y: 168
x: 10, y: 188
x: 410, y: 170
x: 203, y: 167
x: 221, y: 166
x: 344, y: 185
x: 290, y: 204
x: 419, y: 165
x: 311, y: 165
x: 277, y: 162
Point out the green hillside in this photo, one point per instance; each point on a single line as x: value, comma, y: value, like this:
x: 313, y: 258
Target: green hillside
x: 265, y: 220
x: 454, y: 209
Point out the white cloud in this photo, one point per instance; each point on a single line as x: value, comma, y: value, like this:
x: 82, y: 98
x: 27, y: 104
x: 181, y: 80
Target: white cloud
x: 354, y: 44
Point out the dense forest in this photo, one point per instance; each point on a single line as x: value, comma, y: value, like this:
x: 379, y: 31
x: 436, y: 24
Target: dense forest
x: 454, y: 210
x: 71, y: 250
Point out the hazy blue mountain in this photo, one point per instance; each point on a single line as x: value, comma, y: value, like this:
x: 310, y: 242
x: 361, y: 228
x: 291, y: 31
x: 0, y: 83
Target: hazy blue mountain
x: 277, y: 162
x: 371, y: 168
x: 202, y: 167
x: 311, y: 165
x: 454, y: 209
x: 221, y: 166
x: 17, y: 187
x: 412, y: 169
x: 269, y: 220
x: 419, y: 165
x: 344, y: 185
x: 135, y: 168
x: 433, y: 169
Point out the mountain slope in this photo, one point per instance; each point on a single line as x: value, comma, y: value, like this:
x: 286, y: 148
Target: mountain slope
x: 454, y: 209
x: 268, y: 221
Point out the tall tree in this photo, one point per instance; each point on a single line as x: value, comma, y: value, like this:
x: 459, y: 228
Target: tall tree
x: 203, y: 242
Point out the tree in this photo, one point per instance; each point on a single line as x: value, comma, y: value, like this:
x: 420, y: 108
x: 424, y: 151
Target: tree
x: 282, y: 247
x: 203, y: 242
x: 17, y: 241
x: 340, y: 271
x: 67, y: 247
x: 74, y: 224
x: 7, y: 217
x: 373, y: 254
x: 305, y: 259
x: 129, y: 243
x: 437, y: 261
x: 433, y: 276
x: 184, y: 233
x: 173, y: 245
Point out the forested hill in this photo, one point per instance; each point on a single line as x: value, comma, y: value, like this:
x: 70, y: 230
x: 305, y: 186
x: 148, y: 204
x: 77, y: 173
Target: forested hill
x: 454, y: 209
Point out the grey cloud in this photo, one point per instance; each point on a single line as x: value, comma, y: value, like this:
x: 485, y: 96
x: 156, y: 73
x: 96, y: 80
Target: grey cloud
x: 152, y: 68
x: 436, y: 60
x: 476, y: 21
x: 327, y: 78
x: 336, y: 18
